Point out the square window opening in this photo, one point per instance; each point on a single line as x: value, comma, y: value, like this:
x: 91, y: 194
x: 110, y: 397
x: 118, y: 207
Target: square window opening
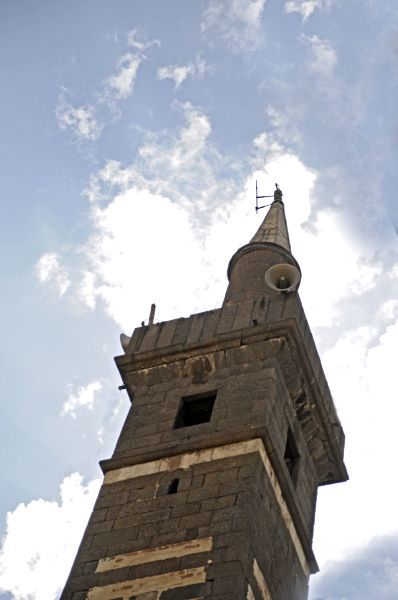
x: 194, y: 410
x: 173, y: 487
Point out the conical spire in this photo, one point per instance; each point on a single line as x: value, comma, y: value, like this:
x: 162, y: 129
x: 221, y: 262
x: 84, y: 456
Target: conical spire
x: 270, y: 246
x: 274, y: 227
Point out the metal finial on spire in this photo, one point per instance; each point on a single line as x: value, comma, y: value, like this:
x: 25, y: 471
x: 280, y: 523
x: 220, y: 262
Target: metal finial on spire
x: 278, y: 193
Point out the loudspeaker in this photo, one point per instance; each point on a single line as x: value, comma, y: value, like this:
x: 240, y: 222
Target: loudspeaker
x: 124, y: 340
x: 283, y: 278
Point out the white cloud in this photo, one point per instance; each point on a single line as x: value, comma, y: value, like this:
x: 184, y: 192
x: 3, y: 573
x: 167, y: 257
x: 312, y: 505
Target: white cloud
x: 247, y: 11
x: 41, y: 541
x: 168, y: 190
x: 323, y: 58
x: 370, y: 572
x: 87, y: 293
x: 121, y: 83
x: 179, y: 74
x: 285, y: 123
x: 277, y: 118
x: 80, y: 120
x: 192, y: 139
x: 101, y: 434
x: 268, y: 145
x: 137, y: 40
x: 83, y: 121
x: 346, y: 274
x: 180, y: 182
x: 181, y: 167
x: 49, y: 270
x: 122, y: 231
x: 130, y: 271
x: 389, y: 309
x: 361, y: 370
x: 306, y: 7
x: 84, y: 396
x: 235, y: 21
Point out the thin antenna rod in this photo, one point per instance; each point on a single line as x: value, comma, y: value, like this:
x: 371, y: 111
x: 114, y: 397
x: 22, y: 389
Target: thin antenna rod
x: 259, y: 197
x: 256, y: 197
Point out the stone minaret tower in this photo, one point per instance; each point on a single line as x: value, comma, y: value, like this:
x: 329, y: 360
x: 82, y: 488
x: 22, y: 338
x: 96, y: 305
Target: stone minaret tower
x: 211, y: 490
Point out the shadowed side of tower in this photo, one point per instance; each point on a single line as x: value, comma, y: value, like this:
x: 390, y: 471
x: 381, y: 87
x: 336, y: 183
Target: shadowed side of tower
x: 211, y: 490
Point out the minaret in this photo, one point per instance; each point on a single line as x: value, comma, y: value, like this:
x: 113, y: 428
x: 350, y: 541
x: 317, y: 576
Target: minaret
x: 211, y: 490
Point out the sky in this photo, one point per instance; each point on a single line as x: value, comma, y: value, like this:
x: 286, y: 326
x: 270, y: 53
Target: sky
x: 132, y: 134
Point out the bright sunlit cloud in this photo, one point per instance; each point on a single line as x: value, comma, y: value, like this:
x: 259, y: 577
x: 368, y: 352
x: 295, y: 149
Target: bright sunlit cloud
x: 41, y: 541
x: 361, y: 368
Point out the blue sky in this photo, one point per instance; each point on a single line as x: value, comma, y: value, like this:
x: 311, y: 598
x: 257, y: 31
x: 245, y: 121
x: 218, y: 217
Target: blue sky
x: 132, y: 136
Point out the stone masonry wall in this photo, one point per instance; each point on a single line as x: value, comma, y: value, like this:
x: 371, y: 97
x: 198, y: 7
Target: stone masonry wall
x: 227, y: 507
x: 251, y: 396
x: 213, y: 510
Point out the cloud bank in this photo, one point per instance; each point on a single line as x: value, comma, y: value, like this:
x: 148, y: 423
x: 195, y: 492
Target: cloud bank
x: 41, y: 541
x: 371, y: 573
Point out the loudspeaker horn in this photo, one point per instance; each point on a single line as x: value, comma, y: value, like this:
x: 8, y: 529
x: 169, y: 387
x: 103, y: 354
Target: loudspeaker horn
x: 283, y: 277
x: 124, y: 340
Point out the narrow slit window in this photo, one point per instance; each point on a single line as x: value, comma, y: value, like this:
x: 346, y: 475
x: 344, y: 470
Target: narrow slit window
x: 173, y: 487
x: 292, y: 456
x: 194, y: 410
